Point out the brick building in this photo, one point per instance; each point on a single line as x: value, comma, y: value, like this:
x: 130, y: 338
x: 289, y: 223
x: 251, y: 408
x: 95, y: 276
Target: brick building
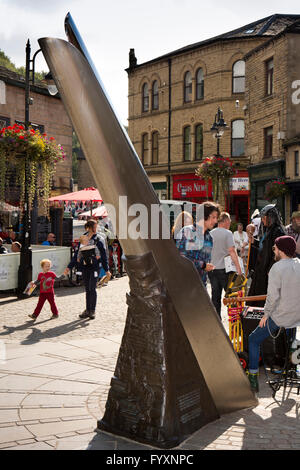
x: 272, y: 117
x: 47, y: 113
x: 173, y: 100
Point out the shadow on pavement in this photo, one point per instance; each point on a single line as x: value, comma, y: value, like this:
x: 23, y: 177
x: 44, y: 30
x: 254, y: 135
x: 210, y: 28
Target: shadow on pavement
x: 37, y: 335
x: 105, y: 441
x: 8, y: 301
x: 252, y: 431
x: 255, y: 433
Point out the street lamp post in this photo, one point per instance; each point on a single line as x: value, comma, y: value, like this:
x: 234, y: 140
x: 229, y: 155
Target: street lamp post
x: 25, y: 268
x: 217, y: 130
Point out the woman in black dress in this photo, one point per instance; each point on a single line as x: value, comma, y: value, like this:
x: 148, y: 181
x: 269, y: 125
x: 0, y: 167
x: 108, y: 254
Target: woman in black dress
x: 271, y: 228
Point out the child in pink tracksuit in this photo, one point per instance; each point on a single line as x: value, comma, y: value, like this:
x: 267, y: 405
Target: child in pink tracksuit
x: 46, y: 280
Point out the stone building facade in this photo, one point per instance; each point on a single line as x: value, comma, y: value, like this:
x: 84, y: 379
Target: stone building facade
x: 85, y: 177
x: 272, y: 116
x: 47, y: 113
x: 173, y: 100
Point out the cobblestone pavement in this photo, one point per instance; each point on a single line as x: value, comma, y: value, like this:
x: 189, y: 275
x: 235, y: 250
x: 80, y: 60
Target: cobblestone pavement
x: 55, y: 375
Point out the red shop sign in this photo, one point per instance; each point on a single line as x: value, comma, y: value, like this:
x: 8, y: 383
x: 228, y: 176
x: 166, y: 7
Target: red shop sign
x: 190, y: 186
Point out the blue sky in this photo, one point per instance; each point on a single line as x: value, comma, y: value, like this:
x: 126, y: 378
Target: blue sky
x: 110, y: 29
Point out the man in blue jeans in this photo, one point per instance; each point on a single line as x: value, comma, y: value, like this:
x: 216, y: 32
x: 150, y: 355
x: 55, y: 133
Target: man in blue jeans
x: 282, y: 303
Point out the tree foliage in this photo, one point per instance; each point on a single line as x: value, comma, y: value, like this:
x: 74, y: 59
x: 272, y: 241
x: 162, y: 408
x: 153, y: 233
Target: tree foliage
x: 7, y: 63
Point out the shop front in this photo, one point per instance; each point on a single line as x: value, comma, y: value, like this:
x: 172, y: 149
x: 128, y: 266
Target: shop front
x: 294, y: 190
x: 191, y: 188
x: 238, y: 202
x: 160, y: 186
x: 259, y: 175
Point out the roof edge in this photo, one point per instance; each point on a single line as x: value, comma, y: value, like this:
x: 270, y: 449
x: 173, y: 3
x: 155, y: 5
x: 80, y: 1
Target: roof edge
x: 221, y: 37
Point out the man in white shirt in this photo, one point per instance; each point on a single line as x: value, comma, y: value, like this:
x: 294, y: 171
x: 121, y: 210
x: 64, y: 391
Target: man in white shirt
x: 223, y: 245
x: 240, y: 238
x: 282, y: 303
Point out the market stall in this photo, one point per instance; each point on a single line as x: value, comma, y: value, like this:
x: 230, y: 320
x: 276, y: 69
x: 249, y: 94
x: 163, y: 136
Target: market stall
x: 87, y: 195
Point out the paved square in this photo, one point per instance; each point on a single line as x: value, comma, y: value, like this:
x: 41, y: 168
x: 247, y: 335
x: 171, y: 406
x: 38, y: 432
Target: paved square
x: 56, y: 376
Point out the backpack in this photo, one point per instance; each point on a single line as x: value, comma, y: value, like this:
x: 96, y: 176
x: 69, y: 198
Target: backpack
x: 88, y: 254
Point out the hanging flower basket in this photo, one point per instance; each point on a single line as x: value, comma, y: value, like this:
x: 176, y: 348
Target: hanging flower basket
x: 275, y: 189
x: 34, y: 157
x: 216, y: 169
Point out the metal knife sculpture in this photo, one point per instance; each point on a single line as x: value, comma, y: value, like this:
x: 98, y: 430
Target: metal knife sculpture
x: 176, y: 370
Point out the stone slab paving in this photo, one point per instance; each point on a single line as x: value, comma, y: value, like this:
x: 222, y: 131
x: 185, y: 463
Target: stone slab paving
x: 55, y: 377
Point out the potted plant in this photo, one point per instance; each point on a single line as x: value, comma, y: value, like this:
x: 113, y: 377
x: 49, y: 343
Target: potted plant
x: 217, y: 169
x: 34, y: 157
x: 275, y: 188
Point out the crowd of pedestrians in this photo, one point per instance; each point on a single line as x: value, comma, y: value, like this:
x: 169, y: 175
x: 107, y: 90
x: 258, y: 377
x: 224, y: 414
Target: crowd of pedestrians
x: 267, y: 252
x: 216, y: 251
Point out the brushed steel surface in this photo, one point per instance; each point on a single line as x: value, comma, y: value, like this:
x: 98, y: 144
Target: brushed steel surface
x: 117, y: 171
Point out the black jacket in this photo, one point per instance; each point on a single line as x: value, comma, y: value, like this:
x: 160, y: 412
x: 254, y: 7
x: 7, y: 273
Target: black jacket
x: 264, y: 262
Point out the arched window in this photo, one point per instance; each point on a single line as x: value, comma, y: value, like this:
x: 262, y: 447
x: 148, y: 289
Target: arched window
x: 238, y: 77
x: 237, y: 137
x: 145, y: 98
x: 155, y: 148
x: 187, y: 143
x: 198, y: 141
x: 155, y: 102
x: 187, y: 87
x: 199, y: 84
x: 145, y: 149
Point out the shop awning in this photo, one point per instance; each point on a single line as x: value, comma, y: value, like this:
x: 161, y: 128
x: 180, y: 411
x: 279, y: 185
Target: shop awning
x: 5, y: 207
x: 98, y: 212
x: 87, y: 194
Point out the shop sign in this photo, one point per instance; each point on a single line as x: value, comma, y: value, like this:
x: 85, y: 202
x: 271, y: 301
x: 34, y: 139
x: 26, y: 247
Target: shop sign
x: 190, y: 186
x: 239, y: 183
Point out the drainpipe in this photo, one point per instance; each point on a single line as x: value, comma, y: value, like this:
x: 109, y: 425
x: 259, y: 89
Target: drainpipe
x: 169, y: 128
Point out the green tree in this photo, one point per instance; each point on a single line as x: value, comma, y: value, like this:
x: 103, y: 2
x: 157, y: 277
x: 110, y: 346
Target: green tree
x: 7, y: 63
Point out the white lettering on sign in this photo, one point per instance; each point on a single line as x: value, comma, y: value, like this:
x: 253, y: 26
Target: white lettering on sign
x: 296, y: 94
x: 199, y: 187
x: 188, y: 188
